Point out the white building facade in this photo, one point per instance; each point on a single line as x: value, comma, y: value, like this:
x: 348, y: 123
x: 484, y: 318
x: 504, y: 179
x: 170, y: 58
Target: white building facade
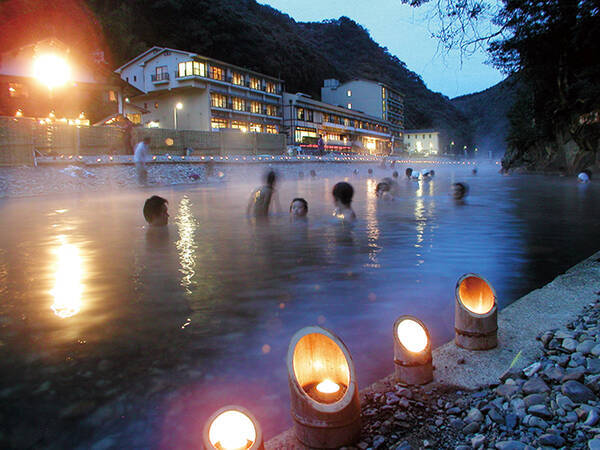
x: 423, y: 142
x: 372, y: 98
x: 186, y: 91
x: 342, y: 129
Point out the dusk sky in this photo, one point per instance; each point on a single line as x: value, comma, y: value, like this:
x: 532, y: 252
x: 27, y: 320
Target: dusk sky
x: 405, y: 32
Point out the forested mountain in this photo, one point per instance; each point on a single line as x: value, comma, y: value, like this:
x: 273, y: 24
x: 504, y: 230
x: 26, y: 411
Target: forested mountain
x: 488, y: 113
x: 241, y: 32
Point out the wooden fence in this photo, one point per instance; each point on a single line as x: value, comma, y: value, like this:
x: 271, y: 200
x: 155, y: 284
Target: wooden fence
x: 21, y: 137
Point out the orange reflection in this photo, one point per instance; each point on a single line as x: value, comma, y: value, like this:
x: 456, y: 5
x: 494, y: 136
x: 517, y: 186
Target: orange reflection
x: 67, y: 287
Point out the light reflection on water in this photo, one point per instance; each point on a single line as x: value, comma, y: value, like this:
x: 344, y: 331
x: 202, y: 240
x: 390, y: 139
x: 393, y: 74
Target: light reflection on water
x: 217, y: 297
x: 68, y: 288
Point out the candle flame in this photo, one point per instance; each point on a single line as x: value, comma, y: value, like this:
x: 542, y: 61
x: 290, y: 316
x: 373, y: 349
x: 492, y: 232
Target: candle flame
x: 327, y: 386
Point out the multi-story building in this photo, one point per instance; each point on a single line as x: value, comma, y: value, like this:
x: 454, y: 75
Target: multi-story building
x: 342, y: 128
x: 184, y: 90
x: 423, y: 142
x: 372, y: 98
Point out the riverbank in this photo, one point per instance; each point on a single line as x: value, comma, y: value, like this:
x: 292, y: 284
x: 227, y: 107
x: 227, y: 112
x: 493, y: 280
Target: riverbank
x: 538, y: 388
x: 111, y: 173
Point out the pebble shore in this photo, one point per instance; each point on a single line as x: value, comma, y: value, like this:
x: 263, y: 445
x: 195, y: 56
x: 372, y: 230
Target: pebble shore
x: 552, y: 403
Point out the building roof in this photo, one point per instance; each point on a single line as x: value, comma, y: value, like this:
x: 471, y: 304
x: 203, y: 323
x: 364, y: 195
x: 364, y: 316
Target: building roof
x: 155, y: 51
x: 428, y: 130
x: 371, y: 81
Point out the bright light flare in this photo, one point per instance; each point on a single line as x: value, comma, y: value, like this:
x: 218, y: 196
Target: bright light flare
x: 51, y: 70
x: 232, y: 430
x: 327, y: 386
x: 412, y: 335
x: 67, y: 288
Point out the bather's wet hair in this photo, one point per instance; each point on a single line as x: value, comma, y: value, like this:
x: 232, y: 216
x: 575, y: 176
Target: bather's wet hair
x: 153, y: 207
x: 381, y: 188
x: 301, y: 200
x: 408, y: 172
x: 343, y: 192
x: 395, y: 174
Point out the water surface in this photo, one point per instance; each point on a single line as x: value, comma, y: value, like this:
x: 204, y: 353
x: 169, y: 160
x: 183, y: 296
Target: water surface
x: 160, y: 328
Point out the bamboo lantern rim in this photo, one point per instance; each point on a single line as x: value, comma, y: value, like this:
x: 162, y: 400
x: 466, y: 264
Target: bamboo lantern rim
x: 475, y: 295
x: 229, y: 420
x: 417, y: 331
x: 316, y: 354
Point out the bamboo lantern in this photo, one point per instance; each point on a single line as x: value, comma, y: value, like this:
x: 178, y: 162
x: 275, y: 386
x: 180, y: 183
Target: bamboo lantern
x: 412, y: 351
x: 476, y: 313
x: 232, y: 428
x: 324, y: 394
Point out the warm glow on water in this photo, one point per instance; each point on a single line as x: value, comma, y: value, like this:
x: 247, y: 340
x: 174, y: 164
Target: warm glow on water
x: 232, y: 430
x: 412, y: 335
x: 67, y: 287
x: 327, y: 386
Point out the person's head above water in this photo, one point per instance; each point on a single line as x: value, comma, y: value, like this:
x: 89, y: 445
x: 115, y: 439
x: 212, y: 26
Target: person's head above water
x: 395, y: 174
x: 459, y: 190
x: 408, y: 172
x: 382, y: 188
x: 156, y: 211
x: 313, y: 173
x: 343, y: 193
x: 299, y: 207
x: 270, y: 178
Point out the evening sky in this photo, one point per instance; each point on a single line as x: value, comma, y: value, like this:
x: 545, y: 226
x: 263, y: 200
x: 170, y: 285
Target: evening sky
x: 406, y: 32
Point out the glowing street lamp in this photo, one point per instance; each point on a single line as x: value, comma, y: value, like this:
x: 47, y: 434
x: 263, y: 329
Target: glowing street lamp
x: 412, y: 351
x: 51, y: 70
x: 232, y: 428
x: 475, y: 313
x: 179, y: 105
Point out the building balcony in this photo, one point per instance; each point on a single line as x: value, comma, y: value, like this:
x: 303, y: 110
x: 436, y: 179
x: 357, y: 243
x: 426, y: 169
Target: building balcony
x: 160, y: 78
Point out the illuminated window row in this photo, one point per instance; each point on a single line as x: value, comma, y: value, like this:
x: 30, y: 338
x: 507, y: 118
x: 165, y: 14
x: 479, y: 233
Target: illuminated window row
x: 331, y: 118
x: 217, y: 122
x: 239, y: 104
x: 201, y: 69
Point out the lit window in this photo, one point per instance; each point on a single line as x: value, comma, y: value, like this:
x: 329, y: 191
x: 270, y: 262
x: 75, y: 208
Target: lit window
x: 349, y: 105
x: 254, y: 83
x: 239, y: 104
x: 349, y: 93
x: 255, y: 107
x: 216, y: 73
x: 270, y: 87
x: 256, y: 127
x: 199, y: 69
x: 271, y: 110
x: 218, y: 123
x: 134, y: 118
x: 242, y: 126
x: 382, y: 92
x: 218, y: 100
x: 300, y: 114
x: 306, y: 135
x: 237, y: 78
x: 156, y: 105
x: 112, y: 96
x: 272, y: 129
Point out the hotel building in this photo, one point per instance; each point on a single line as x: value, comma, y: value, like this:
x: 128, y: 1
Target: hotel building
x: 372, y: 98
x: 186, y: 91
x: 343, y: 129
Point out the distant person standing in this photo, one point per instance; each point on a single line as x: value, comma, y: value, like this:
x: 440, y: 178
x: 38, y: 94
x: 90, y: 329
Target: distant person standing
x: 321, y: 145
x: 141, y: 155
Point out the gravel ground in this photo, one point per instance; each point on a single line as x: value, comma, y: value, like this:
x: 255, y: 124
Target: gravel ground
x: 552, y: 403
x: 27, y: 181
